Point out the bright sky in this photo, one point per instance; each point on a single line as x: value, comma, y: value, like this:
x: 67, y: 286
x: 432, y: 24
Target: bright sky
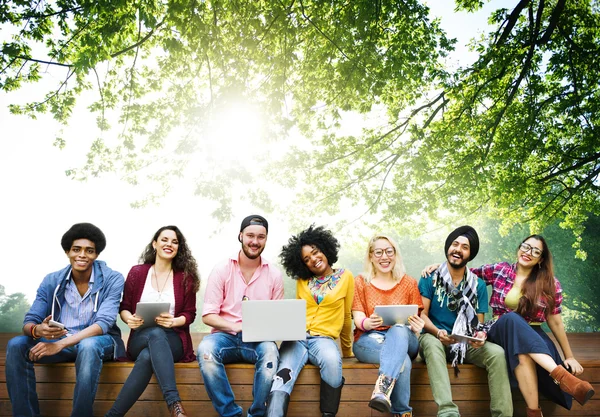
x: 40, y: 203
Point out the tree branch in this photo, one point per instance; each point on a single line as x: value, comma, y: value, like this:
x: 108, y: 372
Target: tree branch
x: 584, y: 161
x: 554, y: 19
x: 141, y: 41
x: 58, y: 64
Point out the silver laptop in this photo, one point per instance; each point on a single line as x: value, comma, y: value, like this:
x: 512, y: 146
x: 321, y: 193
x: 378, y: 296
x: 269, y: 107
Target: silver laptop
x: 273, y: 320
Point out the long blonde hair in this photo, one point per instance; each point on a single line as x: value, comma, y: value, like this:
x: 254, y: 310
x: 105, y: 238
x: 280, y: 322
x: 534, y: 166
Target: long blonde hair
x: 399, y: 269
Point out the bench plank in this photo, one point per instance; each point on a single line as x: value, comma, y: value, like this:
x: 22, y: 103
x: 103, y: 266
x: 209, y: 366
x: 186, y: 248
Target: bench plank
x: 470, y: 390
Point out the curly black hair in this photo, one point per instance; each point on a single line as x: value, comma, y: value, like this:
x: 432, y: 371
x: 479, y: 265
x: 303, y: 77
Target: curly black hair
x: 291, y: 254
x: 183, y: 261
x: 83, y: 231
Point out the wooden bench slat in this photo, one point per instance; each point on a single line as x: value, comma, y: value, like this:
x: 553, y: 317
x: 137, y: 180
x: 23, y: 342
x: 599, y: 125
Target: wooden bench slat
x: 470, y: 390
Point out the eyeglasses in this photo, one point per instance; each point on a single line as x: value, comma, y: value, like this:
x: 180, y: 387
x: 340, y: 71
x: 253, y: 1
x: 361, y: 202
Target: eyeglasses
x: 454, y: 298
x: 535, y: 252
x: 378, y: 253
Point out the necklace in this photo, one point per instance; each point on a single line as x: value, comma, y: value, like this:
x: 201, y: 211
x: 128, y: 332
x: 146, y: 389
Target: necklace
x: 160, y: 290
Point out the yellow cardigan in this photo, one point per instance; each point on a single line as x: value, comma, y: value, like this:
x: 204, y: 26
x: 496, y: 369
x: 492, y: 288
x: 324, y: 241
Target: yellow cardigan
x: 333, y: 317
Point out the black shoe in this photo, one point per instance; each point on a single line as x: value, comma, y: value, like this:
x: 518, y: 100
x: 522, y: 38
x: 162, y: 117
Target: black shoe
x: 277, y: 404
x: 330, y: 399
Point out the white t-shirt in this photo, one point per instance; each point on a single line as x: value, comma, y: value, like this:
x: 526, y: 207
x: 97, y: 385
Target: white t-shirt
x: 151, y: 295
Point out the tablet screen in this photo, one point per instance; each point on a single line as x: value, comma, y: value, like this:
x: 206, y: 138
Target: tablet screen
x: 396, y: 314
x: 149, y: 311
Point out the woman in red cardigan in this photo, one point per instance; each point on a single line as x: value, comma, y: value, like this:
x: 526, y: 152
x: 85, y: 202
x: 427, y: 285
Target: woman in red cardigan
x: 168, y: 273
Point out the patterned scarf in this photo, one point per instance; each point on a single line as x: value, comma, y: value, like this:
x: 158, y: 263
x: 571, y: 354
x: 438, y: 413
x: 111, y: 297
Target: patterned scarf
x: 321, y: 286
x: 466, y: 322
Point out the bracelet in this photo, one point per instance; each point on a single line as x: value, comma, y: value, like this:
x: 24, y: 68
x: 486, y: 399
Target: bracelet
x: 362, y: 324
x: 33, y: 331
x: 438, y: 333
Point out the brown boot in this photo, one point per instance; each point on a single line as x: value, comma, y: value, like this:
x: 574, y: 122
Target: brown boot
x: 534, y: 412
x: 177, y: 410
x: 581, y: 390
x: 380, y: 400
x: 407, y: 414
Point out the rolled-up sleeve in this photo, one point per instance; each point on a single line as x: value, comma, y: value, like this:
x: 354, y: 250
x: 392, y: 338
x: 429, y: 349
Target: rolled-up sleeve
x: 214, y: 294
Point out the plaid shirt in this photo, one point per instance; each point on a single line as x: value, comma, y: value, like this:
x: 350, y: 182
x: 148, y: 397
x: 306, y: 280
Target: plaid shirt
x: 501, y: 277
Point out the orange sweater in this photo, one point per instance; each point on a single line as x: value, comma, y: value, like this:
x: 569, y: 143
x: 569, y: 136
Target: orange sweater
x: 367, y: 296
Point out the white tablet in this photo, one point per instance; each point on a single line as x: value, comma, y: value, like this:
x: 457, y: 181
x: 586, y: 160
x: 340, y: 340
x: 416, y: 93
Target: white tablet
x: 149, y: 311
x: 463, y: 338
x: 396, y: 314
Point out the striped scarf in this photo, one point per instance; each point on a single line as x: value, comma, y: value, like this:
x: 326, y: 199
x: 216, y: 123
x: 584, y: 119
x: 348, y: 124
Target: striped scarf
x: 466, y: 321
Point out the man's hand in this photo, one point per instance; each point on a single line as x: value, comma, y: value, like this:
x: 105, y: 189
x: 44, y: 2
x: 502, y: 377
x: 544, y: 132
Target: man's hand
x: 44, y: 349
x: 49, y: 332
x: 478, y: 335
x: 443, y: 336
x: 236, y: 327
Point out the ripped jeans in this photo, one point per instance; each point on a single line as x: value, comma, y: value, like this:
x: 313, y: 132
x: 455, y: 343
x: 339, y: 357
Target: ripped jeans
x: 319, y: 351
x: 393, y: 349
x: 219, y: 348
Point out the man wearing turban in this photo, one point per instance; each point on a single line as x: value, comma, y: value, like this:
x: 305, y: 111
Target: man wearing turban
x: 455, y: 301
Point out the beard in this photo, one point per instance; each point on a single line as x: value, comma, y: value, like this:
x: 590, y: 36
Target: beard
x: 251, y: 255
x: 463, y: 262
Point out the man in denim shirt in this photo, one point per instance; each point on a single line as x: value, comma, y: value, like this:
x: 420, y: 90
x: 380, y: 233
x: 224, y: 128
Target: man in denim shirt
x: 73, y: 318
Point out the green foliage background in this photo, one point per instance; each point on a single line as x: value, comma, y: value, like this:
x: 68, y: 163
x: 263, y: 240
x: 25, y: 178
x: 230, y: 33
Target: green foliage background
x: 512, y: 136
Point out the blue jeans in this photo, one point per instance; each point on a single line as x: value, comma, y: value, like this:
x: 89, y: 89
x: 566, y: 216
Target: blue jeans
x: 319, y: 351
x: 217, y: 349
x: 88, y: 356
x: 393, y: 349
x: 155, y: 350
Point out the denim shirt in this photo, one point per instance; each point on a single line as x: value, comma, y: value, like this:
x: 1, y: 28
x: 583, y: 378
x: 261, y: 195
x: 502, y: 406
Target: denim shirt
x: 106, y: 292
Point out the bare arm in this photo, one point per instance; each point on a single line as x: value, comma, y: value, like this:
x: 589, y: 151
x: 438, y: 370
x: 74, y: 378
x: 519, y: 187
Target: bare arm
x: 217, y: 322
x: 430, y: 327
x: 558, y: 330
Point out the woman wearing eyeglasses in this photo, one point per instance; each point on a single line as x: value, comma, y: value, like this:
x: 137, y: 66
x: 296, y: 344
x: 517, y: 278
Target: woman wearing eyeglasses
x: 308, y: 258
x: 524, y: 295
x: 385, y: 283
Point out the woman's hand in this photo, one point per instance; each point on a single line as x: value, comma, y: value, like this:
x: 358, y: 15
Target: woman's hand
x: 134, y: 321
x: 429, y: 269
x: 416, y: 324
x: 165, y: 320
x: 573, y: 366
x: 373, y: 322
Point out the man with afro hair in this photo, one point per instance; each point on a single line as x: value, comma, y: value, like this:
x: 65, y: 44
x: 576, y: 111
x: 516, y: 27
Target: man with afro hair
x: 73, y: 319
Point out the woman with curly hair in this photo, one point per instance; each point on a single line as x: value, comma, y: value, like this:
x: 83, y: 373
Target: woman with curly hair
x: 308, y: 257
x: 168, y: 272
x: 385, y: 282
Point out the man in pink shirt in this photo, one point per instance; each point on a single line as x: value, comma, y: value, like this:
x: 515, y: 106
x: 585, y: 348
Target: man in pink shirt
x: 245, y: 276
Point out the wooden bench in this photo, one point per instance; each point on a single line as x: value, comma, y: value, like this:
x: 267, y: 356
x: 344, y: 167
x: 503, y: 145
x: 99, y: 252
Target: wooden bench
x: 470, y: 390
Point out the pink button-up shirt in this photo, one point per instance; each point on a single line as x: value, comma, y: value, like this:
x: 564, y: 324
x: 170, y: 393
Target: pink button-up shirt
x: 227, y: 287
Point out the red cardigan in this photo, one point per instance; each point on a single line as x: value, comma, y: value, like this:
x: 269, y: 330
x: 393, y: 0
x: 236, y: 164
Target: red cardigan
x: 185, y: 304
